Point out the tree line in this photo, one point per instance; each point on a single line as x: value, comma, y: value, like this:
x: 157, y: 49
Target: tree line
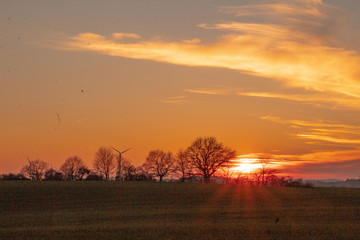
x: 201, y: 161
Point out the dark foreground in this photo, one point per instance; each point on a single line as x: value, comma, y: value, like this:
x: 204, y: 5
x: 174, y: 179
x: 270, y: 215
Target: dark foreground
x: 130, y: 210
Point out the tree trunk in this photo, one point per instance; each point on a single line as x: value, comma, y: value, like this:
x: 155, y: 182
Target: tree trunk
x: 206, y: 178
x: 183, y: 177
x: 160, y: 178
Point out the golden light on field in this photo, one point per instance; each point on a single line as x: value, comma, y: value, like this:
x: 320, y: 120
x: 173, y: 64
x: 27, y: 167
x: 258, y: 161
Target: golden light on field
x: 246, y: 164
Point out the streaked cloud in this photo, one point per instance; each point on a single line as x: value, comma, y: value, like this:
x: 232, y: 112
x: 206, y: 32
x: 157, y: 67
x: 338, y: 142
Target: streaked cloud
x: 82, y: 120
x: 175, y: 100
x: 311, y: 124
x: 275, y: 9
x: 219, y: 91
x: 297, y: 51
x: 125, y: 35
x: 315, y: 157
x: 349, y: 131
x: 310, y: 165
x: 279, y: 96
x: 329, y: 139
x: 323, y: 170
x: 324, y: 99
x: 321, y: 131
x: 192, y: 41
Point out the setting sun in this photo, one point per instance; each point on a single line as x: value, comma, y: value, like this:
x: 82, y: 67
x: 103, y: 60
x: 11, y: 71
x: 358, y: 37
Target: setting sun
x: 246, y: 164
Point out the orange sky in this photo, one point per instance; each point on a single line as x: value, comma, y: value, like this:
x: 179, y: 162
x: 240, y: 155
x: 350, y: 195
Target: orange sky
x: 274, y: 77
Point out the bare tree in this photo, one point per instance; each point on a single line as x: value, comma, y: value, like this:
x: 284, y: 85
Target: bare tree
x: 13, y: 176
x: 208, y: 156
x: 53, y: 175
x: 243, y: 179
x: 83, y: 172
x: 92, y: 176
x: 35, y: 170
x: 183, y: 166
x: 265, y: 173
x: 227, y: 173
x: 256, y: 177
x: 160, y: 163
x: 128, y: 170
x: 74, y: 168
x: 104, y: 162
x: 143, y: 175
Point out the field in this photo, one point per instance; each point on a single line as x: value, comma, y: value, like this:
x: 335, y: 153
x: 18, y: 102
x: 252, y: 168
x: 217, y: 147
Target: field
x: 140, y: 210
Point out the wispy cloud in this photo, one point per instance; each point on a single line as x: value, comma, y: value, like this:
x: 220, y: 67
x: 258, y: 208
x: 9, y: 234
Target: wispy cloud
x: 279, y: 96
x: 219, y: 91
x: 316, y: 98
x: 120, y: 36
x: 340, y: 134
x: 329, y: 139
x: 322, y: 170
x: 175, y: 100
x: 311, y: 124
x: 299, y: 51
x: 275, y: 9
x: 318, y: 164
x: 316, y: 157
x: 82, y: 120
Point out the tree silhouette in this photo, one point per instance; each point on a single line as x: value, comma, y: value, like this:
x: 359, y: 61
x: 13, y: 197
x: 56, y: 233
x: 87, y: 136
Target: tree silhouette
x: 227, y: 173
x: 104, y: 162
x: 128, y: 170
x: 265, y: 173
x: 94, y: 177
x: 83, y: 171
x: 35, y: 170
x: 13, y: 176
x: 208, y: 156
x: 160, y: 163
x: 74, y: 168
x: 183, y: 167
x: 143, y: 175
x: 53, y: 175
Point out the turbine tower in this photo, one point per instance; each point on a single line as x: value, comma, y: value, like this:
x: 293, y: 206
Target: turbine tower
x: 119, y: 160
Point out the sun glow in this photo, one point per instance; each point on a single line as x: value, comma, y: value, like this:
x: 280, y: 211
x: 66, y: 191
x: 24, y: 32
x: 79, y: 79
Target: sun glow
x: 245, y: 164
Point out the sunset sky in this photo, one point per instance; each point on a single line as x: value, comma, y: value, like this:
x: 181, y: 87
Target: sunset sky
x: 275, y: 77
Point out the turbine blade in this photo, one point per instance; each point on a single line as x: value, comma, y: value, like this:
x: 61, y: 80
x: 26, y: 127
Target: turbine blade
x: 116, y: 150
x: 126, y: 150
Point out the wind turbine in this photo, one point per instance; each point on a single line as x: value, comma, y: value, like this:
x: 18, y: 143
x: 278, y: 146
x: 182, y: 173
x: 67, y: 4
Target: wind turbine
x: 119, y: 160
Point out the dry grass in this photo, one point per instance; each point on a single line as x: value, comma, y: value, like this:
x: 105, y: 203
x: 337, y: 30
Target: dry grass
x: 133, y: 210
